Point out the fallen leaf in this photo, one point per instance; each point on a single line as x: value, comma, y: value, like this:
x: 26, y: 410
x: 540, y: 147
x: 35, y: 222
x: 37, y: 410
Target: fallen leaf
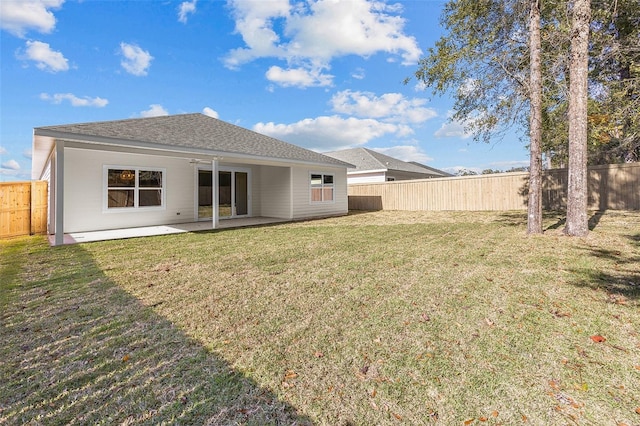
x: 637, y: 367
x: 598, y: 338
x: 489, y: 322
x: 290, y: 374
x: 319, y: 354
x: 373, y: 393
x: 494, y: 413
x: 638, y: 410
x: 524, y: 418
x: 425, y: 317
x: 483, y: 419
x: 553, y: 384
x: 397, y: 416
x: 126, y: 358
x: 468, y: 422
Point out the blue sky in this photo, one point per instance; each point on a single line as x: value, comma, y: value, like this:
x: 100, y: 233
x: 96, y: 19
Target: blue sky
x: 322, y: 74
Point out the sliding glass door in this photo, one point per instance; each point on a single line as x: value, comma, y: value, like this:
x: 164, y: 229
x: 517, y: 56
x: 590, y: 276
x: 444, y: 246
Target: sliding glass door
x: 233, y: 193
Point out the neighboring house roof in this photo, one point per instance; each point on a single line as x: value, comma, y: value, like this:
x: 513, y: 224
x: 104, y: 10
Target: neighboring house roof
x: 367, y: 160
x: 431, y: 169
x: 196, y: 133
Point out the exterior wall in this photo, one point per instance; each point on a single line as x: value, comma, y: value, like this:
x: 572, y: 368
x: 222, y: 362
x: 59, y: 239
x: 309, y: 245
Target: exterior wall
x: 271, y: 194
x: 84, y: 191
x: 400, y: 175
x: 365, y: 178
x: 275, y: 198
x: 380, y: 176
x: 302, y: 206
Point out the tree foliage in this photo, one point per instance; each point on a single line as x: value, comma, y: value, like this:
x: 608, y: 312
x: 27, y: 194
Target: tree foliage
x: 483, y: 60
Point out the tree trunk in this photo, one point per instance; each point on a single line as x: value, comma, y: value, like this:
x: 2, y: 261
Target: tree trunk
x: 534, y: 219
x: 577, y: 191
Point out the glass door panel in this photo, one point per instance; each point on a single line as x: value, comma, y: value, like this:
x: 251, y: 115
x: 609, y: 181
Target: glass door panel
x: 224, y: 194
x: 241, y: 193
x: 205, y: 194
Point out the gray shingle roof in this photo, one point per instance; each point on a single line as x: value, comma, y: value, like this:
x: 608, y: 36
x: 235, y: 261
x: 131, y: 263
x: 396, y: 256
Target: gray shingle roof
x: 365, y: 159
x: 188, y: 131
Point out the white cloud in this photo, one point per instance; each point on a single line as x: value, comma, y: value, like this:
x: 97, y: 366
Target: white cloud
x: 185, y: 9
x: 10, y: 165
x: 18, y: 16
x: 298, y: 77
x: 453, y: 129
x: 210, y: 112
x: 155, y: 110
x: 254, y: 22
x: 311, y: 34
x: 2, y: 150
x: 420, y: 86
x: 358, y: 74
x: 392, y: 107
x: 45, y: 58
x: 454, y: 170
x: 506, y: 165
x: 75, y: 101
x: 329, y: 133
x: 27, y: 153
x: 405, y: 153
x: 136, y: 61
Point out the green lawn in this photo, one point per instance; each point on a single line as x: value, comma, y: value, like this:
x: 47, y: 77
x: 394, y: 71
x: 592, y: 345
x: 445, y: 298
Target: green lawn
x: 372, y: 318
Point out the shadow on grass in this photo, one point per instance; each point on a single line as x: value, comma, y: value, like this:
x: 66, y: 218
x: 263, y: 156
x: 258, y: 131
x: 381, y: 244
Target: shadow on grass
x: 594, y: 220
x: 622, y: 278
x: 77, y: 349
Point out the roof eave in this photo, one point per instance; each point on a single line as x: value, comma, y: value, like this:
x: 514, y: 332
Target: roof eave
x: 52, y: 135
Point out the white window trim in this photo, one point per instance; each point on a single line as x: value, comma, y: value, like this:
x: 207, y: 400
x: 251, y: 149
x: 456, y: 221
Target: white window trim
x: 333, y: 186
x: 136, y: 188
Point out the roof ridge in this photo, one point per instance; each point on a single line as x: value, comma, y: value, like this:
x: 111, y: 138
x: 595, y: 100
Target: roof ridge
x: 122, y: 120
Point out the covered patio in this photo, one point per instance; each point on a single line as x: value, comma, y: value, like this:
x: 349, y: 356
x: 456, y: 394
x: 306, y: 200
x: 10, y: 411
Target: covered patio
x: 149, y: 231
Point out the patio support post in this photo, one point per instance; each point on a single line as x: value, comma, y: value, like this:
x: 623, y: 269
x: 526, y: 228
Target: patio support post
x: 216, y: 193
x: 59, y: 193
x: 291, y: 193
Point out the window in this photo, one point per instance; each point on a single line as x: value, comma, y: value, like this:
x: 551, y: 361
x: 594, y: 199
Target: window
x: 321, y: 188
x: 133, y: 188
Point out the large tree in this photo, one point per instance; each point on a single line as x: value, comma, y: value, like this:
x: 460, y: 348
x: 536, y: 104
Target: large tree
x: 534, y: 217
x: 577, y: 192
x: 484, y: 60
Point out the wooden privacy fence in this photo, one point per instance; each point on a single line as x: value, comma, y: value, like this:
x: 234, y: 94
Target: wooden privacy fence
x: 611, y: 187
x: 23, y: 208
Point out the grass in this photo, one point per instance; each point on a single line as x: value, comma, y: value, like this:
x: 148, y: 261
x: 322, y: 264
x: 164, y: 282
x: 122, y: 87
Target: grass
x: 372, y: 318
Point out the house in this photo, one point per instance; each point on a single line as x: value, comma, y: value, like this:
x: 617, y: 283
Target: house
x: 178, y: 169
x: 372, y: 166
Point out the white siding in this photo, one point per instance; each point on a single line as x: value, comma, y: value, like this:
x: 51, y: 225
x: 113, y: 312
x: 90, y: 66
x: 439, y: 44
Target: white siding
x: 84, y: 191
x: 302, y: 205
x: 366, y: 177
x: 275, y: 198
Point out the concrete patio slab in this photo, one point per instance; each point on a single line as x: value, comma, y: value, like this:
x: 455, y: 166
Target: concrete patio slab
x: 148, y: 231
